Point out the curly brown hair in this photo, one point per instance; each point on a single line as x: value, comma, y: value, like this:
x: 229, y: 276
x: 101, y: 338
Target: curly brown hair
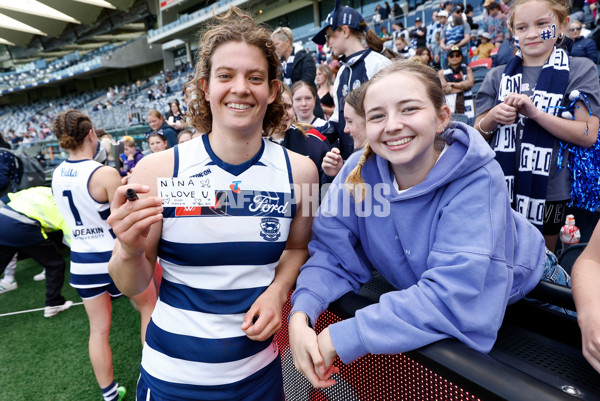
x: 71, y: 127
x: 234, y: 26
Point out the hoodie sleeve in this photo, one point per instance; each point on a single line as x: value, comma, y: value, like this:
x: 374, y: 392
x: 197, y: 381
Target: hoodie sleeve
x: 337, y: 263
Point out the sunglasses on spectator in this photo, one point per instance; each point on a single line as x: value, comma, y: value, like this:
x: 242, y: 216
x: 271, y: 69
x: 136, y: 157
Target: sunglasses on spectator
x: 453, y: 55
x: 575, y: 29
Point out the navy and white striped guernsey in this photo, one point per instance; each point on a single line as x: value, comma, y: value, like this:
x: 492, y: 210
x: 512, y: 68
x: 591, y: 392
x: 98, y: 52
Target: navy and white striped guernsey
x: 92, y: 239
x: 468, y: 95
x: 216, y: 261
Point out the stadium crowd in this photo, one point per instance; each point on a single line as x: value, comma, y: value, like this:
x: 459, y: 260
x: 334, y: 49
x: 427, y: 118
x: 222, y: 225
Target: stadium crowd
x: 443, y: 112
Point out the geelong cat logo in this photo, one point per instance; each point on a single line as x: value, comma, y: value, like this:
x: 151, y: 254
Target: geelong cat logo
x: 270, y: 228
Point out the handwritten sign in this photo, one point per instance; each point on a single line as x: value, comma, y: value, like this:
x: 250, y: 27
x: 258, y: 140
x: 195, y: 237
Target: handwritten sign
x: 190, y: 191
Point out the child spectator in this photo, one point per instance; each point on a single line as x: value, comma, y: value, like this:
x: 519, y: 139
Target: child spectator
x: 294, y: 137
x: 485, y: 48
x: 157, y: 142
x: 523, y: 128
x: 404, y: 50
x: 355, y: 127
x: 304, y: 98
x: 130, y: 157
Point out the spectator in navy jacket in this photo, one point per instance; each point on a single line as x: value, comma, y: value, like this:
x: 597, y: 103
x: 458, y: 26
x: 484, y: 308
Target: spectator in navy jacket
x: 157, y: 122
x: 297, y: 65
x: 582, y: 47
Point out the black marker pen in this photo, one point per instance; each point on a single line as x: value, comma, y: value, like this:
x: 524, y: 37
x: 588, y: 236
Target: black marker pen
x: 131, y: 194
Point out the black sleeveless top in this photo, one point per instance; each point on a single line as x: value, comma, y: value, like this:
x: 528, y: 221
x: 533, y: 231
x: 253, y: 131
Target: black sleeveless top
x: 326, y: 100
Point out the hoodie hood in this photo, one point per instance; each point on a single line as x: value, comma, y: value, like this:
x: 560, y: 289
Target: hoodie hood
x: 467, y: 152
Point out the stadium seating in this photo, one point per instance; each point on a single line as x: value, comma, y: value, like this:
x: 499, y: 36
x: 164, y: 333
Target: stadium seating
x: 481, y: 63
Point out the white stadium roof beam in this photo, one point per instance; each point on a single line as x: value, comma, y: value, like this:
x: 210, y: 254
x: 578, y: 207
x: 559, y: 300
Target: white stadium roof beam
x: 34, y: 7
x: 99, y: 3
x: 6, y: 42
x: 7, y: 22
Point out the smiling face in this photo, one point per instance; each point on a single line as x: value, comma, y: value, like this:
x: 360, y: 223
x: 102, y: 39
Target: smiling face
x: 304, y: 104
x: 537, y: 27
x: 155, y: 122
x: 239, y: 90
x: 355, y: 126
x: 402, y: 123
x: 157, y: 143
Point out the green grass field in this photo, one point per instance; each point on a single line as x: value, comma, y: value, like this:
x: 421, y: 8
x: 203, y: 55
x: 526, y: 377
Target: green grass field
x: 47, y: 359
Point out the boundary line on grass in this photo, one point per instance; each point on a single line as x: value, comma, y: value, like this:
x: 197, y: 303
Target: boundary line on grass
x: 32, y: 310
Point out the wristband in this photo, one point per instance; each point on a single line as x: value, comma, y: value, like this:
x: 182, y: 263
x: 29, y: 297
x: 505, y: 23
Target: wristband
x: 482, y: 130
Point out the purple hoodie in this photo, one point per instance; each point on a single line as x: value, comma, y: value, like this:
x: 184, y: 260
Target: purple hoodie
x: 451, y: 245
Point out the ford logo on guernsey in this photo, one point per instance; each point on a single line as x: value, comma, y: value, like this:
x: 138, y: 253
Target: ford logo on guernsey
x: 268, y: 204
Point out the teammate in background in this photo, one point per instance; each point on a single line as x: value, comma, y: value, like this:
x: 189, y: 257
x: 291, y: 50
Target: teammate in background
x: 586, y: 282
x: 528, y: 132
x: 83, y: 189
x: 228, y: 266
x: 344, y: 32
x: 355, y: 127
x: 413, y: 194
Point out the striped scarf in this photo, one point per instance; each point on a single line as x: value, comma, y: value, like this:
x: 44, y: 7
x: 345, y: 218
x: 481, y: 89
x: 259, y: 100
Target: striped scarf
x: 527, y: 174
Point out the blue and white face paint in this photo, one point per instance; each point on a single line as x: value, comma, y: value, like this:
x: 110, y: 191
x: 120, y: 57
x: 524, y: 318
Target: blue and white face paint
x: 549, y: 33
x: 517, y: 43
